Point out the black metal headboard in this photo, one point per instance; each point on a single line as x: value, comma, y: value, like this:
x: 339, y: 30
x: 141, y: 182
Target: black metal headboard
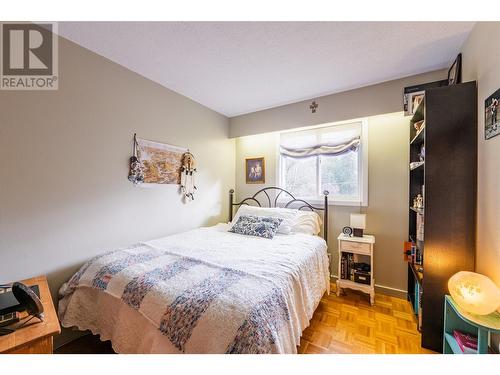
x: 263, y: 194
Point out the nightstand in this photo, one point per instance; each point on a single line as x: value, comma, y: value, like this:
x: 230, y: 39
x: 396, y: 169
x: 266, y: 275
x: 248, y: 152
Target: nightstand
x: 361, y: 249
x: 36, y: 337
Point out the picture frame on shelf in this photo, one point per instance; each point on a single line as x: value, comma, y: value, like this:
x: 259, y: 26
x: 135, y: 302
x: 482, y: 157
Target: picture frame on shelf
x: 419, y: 125
x: 412, y: 100
x: 455, y: 71
x: 412, y: 95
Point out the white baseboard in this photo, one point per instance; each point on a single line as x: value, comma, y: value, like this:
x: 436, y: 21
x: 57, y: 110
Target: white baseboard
x: 387, y: 290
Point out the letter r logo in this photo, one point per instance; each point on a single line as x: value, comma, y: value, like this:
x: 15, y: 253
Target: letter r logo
x: 27, y: 49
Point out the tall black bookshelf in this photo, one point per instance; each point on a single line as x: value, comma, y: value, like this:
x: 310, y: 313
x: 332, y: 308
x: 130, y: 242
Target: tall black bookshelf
x: 442, y: 231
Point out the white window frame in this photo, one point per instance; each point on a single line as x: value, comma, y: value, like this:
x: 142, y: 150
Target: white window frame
x: 362, y: 167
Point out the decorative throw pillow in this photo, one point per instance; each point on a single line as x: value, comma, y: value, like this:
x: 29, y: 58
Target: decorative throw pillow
x: 265, y: 227
x: 288, y: 215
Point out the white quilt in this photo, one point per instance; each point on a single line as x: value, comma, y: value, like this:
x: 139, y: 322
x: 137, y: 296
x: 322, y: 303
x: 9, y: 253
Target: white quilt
x: 201, y: 291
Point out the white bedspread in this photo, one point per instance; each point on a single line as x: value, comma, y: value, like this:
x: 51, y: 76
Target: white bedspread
x: 201, y: 291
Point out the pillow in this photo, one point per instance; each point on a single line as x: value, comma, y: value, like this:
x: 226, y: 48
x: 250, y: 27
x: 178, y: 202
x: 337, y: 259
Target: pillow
x: 288, y: 215
x: 265, y: 227
x: 308, y: 222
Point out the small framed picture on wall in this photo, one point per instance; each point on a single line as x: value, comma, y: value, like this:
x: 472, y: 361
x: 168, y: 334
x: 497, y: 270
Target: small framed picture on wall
x: 491, y: 117
x: 255, y: 169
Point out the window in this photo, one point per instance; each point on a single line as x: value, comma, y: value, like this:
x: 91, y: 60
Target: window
x: 332, y: 158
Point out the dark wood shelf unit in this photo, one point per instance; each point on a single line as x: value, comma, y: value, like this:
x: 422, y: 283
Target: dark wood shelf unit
x: 449, y: 176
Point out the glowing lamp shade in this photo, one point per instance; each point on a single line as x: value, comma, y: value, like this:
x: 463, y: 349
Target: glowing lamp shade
x: 358, y: 221
x: 475, y: 293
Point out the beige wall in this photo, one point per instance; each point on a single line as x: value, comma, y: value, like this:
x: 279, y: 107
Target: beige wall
x: 481, y: 62
x: 387, y: 211
x: 64, y: 193
x: 367, y: 101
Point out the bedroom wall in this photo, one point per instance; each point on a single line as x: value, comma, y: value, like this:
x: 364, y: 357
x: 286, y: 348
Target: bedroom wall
x: 64, y: 193
x: 387, y: 211
x: 366, y: 101
x: 481, y: 62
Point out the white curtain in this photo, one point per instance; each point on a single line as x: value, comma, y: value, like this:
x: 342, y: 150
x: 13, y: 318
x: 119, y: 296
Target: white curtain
x: 332, y: 140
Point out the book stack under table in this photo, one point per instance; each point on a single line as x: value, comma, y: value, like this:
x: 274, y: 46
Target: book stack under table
x: 466, y: 333
x: 466, y: 341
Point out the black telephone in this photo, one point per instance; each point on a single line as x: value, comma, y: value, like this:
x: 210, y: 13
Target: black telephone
x: 27, y: 300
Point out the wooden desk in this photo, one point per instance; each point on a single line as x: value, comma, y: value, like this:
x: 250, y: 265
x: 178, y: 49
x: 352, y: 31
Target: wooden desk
x: 36, y: 337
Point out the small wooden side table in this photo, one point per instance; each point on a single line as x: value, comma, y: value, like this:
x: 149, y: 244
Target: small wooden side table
x: 36, y: 337
x: 456, y: 318
x: 361, y: 246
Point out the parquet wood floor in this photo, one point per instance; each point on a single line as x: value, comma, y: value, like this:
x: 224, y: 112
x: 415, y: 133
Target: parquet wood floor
x: 348, y: 324
x: 345, y: 324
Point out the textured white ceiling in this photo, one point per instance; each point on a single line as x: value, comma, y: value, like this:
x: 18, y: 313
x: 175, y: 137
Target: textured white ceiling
x: 241, y: 67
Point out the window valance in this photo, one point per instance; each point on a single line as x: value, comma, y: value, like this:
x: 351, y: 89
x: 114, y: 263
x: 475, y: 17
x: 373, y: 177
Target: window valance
x: 321, y: 149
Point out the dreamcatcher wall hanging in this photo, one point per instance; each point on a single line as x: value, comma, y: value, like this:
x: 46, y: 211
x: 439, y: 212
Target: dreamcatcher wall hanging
x: 135, y: 174
x: 160, y: 163
x: 188, y: 169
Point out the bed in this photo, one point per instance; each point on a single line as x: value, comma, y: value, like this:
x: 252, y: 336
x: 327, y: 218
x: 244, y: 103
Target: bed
x: 204, y: 291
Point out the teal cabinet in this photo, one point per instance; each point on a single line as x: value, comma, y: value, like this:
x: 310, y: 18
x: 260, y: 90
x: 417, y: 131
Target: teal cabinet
x: 481, y: 326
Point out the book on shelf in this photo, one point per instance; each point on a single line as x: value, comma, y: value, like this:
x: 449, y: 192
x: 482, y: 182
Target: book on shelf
x: 420, y: 227
x: 419, y: 309
x: 345, y: 266
x: 348, y: 267
x: 351, y: 267
x: 342, y: 268
x: 466, y: 342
